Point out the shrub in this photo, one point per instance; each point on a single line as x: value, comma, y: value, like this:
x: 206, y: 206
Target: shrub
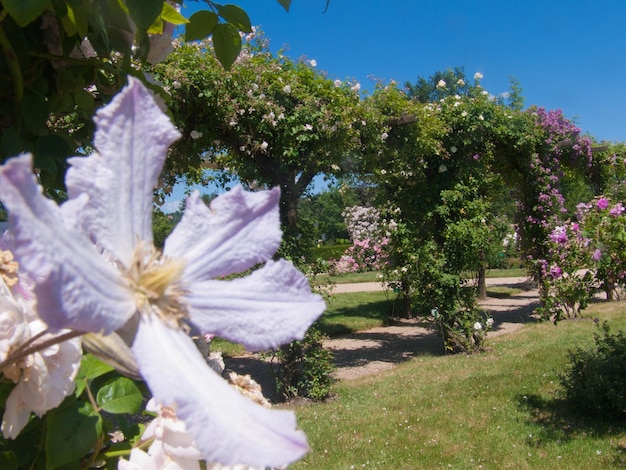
x: 595, y: 378
x: 327, y: 252
x: 303, y: 368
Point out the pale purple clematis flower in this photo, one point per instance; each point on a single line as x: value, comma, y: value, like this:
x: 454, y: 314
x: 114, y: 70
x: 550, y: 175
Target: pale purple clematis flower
x: 96, y: 270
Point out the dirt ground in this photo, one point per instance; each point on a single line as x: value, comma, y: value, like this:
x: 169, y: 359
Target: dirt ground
x: 371, y: 351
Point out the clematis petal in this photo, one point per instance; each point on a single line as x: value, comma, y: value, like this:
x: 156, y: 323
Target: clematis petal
x: 227, y: 427
x: 131, y: 140
x: 270, y: 307
x: 237, y: 231
x: 76, y: 288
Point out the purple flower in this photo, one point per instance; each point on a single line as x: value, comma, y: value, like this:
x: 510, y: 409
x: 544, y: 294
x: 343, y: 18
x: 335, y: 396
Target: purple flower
x: 602, y: 203
x: 97, y: 270
x: 559, y: 235
x: 597, y: 254
x: 616, y: 210
x: 555, y: 271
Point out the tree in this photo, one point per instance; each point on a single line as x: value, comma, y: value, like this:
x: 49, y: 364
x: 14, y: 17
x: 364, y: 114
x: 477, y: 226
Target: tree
x: 322, y: 212
x: 270, y: 120
x: 440, y: 85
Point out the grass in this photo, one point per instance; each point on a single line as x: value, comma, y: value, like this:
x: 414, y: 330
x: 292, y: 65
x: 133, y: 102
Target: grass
x: 503, y: 292
x: 372, y: 276
x: 348, y: 278
x: 499, y: 409
x: 513, y: 272
x: 347, y: 313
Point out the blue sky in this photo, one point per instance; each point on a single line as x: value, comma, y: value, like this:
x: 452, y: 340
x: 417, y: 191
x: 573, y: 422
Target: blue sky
x: 566, y: 54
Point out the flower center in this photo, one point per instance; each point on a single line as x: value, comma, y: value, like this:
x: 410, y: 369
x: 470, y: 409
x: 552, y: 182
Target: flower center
x: 157, y: 282
x: 8, y: 268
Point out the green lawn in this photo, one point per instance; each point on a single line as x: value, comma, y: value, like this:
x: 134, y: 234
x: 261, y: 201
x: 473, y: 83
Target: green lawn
x: 499, y: 409
x: 347, y: 313
x: 373, y: 276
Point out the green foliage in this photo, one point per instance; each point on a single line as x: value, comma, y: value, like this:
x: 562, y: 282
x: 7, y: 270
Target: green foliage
x: 162, y: 225
x: 76, y: 434
x: 427, y: 90
x: 270, y: 120
x: 327, y: 252
x: 595, y: 378
x: 303, y: 368
x: 320, y: 215
x: 61, y: 60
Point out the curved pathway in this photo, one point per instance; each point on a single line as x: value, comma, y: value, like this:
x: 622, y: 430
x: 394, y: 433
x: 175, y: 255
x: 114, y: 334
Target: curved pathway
x: 371, y: 351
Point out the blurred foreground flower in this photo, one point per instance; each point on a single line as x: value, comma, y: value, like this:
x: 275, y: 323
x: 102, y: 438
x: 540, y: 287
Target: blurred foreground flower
x: 166, y: 444
x: 43, y: 378
x: 97, y: 270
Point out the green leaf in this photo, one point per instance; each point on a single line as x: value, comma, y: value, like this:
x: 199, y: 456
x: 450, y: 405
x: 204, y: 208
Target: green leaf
x: 91, y: 367
x: 235, y: 16
x: 8, y: 460
x: 35, y: 113
x: 144, y: 12
x: 201, y: 24
x: 120, y: 395
x: 227, y: 44
x: 25, y: 11
x: 50, y: 149
x: 84, y: 99
x: 285, y: 4
x: 172, y: 15
x: 10, y: 143
x: 69, y: 22
x: 71, y: 433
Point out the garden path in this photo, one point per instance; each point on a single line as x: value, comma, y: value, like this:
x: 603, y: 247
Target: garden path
x: 371, y: 351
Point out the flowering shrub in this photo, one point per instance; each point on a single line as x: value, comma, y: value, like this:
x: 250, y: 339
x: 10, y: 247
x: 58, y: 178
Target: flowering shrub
x: 565, y: 287
x: 605, y: 223
x: 269, y: 120
x: 362, y: 223
x: 560, y: 146
x: 369, y: 244
x: 363, y: 255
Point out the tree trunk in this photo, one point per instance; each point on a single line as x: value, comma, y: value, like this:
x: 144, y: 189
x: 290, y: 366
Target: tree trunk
x: 482, y: 283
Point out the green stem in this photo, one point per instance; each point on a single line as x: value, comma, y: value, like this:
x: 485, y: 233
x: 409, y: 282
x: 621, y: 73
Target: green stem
x: 82, y: 62
x: 24, y: 352
x: 116, y: 453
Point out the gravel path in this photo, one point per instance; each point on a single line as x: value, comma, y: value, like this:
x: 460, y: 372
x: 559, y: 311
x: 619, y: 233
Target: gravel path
x: 369, y: 352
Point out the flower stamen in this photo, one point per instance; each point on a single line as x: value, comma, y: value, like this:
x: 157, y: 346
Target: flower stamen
x: 8, y: 268
x: 156, y: 281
